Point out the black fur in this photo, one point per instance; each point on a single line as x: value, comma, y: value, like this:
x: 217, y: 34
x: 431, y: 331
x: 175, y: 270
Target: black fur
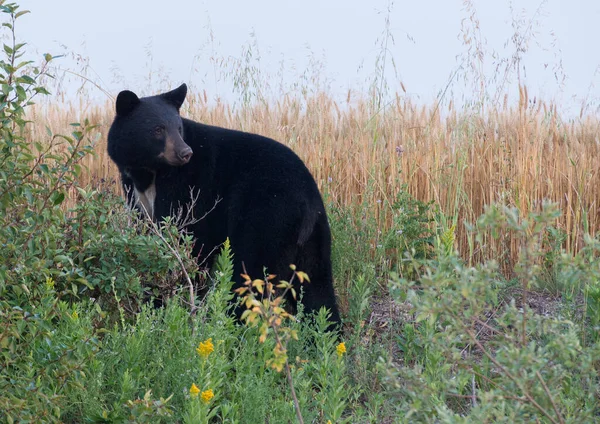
x: 270, y: 206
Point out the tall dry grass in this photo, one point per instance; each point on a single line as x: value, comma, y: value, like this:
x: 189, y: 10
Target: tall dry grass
x: 518, y: 154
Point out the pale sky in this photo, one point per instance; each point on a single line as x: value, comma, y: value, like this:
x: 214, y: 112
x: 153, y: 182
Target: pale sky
x: 122, y: 38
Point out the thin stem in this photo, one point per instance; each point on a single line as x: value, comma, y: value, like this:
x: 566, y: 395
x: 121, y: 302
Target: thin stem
x: 554, y: 406
x: 290, y: 379
x: 511, y: 377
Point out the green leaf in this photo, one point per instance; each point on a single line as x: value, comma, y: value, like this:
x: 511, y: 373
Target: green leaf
x: 41, y: 90
x: 57, y: 198
x: 21, y: 13
x: 21, y: 93
x: 25, y: 79
x: 85, y: 283
x: 24, y: 63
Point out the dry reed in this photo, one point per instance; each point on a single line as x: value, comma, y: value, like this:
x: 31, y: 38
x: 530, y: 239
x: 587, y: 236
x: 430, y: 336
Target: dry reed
x: 518, y: 155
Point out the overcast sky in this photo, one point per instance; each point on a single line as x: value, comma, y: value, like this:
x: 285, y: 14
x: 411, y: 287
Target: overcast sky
x: 124, y: 39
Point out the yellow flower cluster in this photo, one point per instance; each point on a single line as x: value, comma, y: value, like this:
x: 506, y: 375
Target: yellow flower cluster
x: 205, y: 348
x: 194, y: 391
x: 207, y: 395
x: 341, y: 349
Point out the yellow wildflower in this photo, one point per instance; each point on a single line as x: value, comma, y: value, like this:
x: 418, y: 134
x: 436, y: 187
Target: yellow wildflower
x: 75, y: 315
x: 207, y: 395
x: 328, y: 421
x: 341, y: 349
x: 194, y: 390
x: 205, y: 348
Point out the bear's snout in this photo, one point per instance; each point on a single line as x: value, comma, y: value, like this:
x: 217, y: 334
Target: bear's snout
x: 176, y: 152
x: 185, y: 154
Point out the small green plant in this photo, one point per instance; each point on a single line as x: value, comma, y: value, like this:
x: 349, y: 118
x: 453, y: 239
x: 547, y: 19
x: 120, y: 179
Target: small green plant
x: 265, y: 309
x: 200, y: 408
x: 411, y: 228
x: 363, y: 250
x: 146, y: 410
x: 330, y: 372
x: 359, y: 299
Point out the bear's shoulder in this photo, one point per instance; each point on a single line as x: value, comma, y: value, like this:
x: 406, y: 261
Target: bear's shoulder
x: 228, y: 140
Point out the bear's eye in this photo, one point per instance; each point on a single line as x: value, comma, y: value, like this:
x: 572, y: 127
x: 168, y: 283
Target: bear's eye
x: 158, y: 131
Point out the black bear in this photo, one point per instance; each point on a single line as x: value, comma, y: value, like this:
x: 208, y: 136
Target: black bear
x: 258, y: 191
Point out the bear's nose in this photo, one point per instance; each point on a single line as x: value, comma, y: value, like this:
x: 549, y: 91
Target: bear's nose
x: 185, y: 155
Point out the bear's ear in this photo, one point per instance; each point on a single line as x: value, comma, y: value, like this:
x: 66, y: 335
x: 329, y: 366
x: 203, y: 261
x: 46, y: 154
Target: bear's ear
x: 126, y: 102
x: 177, y: 96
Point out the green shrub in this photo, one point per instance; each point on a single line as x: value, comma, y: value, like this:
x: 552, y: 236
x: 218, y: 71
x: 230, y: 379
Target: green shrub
x: 362, y: 251
x: 470, y: 358
x: 52, y: 255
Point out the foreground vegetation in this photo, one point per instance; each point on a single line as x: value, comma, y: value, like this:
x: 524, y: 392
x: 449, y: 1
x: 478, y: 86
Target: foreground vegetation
x: 496, y: 321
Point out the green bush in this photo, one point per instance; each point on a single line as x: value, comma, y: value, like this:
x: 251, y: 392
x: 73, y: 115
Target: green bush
x: 470, y: 358
x: 119, y: 254
x: 362, y: 251
x: 52, y: 255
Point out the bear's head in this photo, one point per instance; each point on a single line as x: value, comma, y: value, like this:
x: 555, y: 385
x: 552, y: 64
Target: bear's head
x: 147, y: 132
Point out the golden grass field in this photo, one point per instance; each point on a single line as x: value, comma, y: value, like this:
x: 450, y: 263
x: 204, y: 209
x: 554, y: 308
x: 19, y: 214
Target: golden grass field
x: 517, y: 154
